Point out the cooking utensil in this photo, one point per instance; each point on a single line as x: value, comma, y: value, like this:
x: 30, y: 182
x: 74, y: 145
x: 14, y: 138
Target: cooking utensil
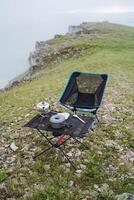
x: 76, y: 116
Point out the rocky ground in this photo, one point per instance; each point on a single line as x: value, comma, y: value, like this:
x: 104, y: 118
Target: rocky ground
x: 106, y: 168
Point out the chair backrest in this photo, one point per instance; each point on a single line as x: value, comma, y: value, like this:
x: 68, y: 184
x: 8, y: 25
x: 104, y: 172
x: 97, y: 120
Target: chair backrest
x: 84, y: 90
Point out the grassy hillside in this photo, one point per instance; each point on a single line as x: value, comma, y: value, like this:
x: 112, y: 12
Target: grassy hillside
x: 108, y: 165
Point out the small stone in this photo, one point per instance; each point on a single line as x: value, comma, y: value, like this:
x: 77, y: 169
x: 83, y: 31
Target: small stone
x: 68, y: 165
x: 3, y: 187
x: 10, y: 159
x: 131, y: 160
x: 13, y: 146
x: 70, y: 154
x: 78, y: 153
x: 47, y: 167
x: 62, y: 191
x: 110, y: 143
x: 78, y: 171
x: 99, y: 152
x: 82, y: 166
x: 118, y: 134
x: 23, y: 180
x: 96, y: 186
x: 129, y: 156
x: 125, y: 196
x: 11, y: 199
x: 27, y: 115
x: 29, y: 133
x: 15, y: 135
x: 1, y: 160
x: 71, y: 183
x: 7, y: 145
x: 19, y: 118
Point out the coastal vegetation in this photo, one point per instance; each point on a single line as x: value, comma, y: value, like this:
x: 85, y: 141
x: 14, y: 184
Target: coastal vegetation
x: 107, y: 166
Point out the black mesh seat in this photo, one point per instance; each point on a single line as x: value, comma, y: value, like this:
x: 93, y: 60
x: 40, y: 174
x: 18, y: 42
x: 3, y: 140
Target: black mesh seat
x: 84, y: 90
x: 84, y: 100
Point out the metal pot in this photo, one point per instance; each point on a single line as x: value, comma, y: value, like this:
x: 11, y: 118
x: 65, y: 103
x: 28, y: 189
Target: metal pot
x: 57, y: 121
x: 43, y: 106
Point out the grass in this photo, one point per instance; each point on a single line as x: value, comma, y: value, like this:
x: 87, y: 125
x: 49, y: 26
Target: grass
x: 108, y: 171
x: 2, y: 174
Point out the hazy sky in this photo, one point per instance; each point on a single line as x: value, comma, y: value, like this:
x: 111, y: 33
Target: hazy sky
x: 23, y: 22
x: 17, y: 12
x: 51, y: 6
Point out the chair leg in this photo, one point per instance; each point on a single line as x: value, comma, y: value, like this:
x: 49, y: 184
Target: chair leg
x: 96, y: 117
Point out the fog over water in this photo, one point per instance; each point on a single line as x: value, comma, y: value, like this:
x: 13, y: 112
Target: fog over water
x: 19, y: 34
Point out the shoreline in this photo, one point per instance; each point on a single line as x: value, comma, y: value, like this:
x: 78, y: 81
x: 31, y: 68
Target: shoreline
x: 18, y: 79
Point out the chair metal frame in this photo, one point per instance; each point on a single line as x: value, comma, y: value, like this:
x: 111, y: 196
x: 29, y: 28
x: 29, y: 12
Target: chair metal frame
x: 77, y: 109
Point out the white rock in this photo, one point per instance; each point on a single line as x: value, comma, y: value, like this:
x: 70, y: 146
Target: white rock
x: 7, y: 145
x: 3, y: 187
x: 131, y: 160
x: 68, y: 165
x: 13, y: 146
x: 78, y: 153
x: 47, y: 167
x: 71, y: 183
x: 96, y: 186
x: 78, y: 171
x: 70, y: 154
x: 99, y: 152
x: 118, y: 134
x: 125, y: 196
x: 82, y: 166
x: 19, y: 118
x: 110, y: 143
x: 129, y: 156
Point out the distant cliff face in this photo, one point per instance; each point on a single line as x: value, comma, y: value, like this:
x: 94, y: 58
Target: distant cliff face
x: 75, y: 29
x: 53, y: 50
x: 89, y: 28
x: 45, y: 54
x: 62, y: 46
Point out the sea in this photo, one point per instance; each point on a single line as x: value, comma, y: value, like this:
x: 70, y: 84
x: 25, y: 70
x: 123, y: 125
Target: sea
x: 18, y: 36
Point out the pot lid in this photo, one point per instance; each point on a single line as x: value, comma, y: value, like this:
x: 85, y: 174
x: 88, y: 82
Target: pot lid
x: 65, y: 114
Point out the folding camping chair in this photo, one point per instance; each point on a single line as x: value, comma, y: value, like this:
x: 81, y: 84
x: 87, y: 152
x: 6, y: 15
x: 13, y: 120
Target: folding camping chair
x: 83, y: 92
